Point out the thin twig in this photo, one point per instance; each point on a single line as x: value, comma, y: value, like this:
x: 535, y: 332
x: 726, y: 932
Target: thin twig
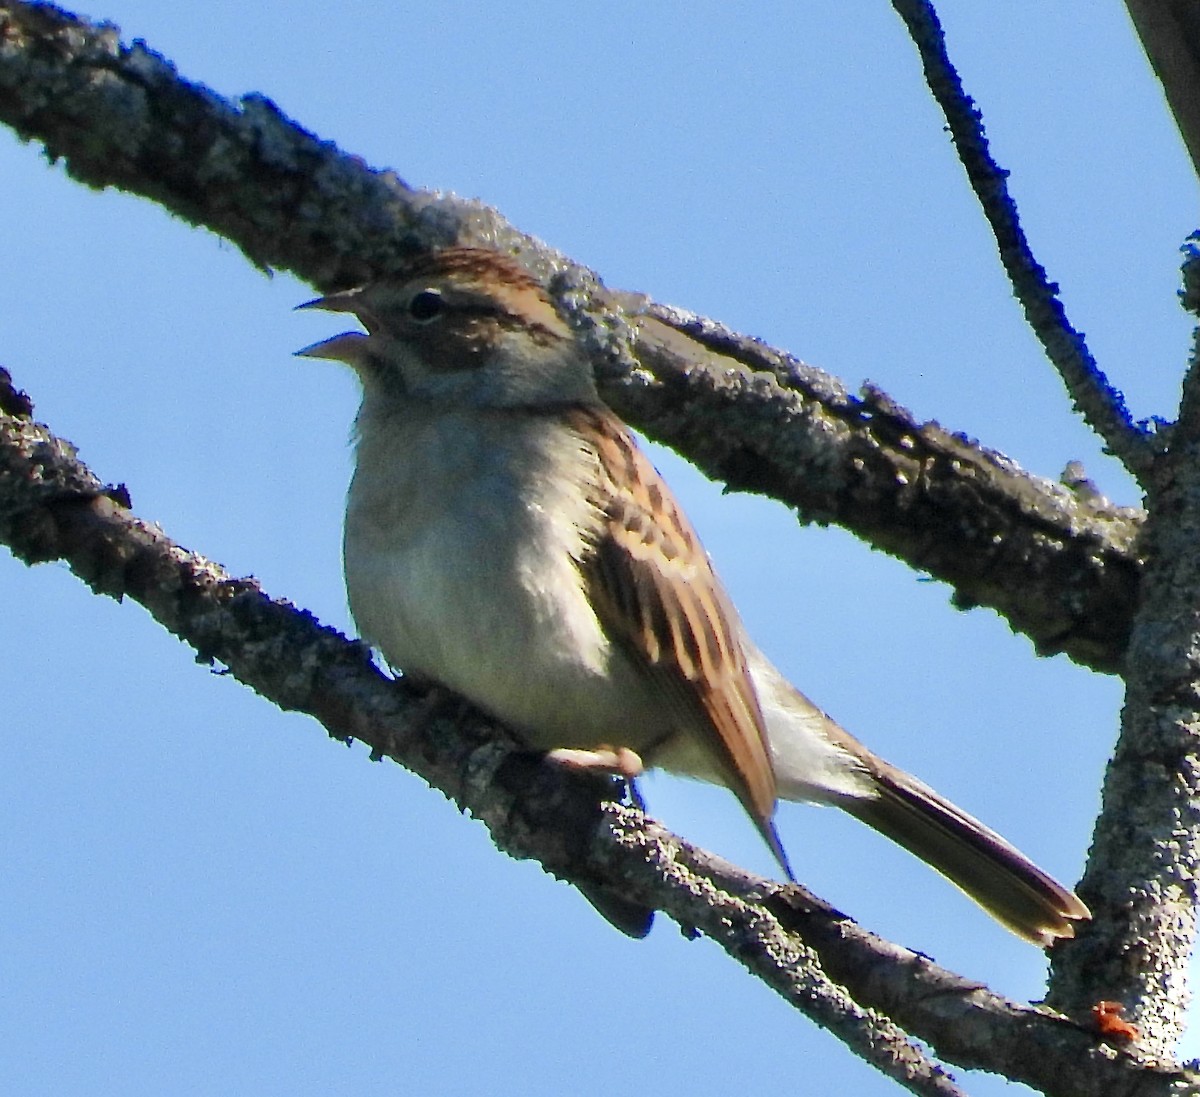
x: 1101, y: 405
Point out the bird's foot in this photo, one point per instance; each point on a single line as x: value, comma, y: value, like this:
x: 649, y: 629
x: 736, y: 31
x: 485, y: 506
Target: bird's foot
x: 618, y: 761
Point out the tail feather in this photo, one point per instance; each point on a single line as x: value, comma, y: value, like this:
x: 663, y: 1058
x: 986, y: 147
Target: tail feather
x: 816, y: 760
x: 970, y: 855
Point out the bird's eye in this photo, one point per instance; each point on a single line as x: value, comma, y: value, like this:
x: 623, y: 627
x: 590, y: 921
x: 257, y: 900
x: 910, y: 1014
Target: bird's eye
x: 425, y: 306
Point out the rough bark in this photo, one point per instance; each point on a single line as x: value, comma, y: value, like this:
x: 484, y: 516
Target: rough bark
x: 1141, y: 876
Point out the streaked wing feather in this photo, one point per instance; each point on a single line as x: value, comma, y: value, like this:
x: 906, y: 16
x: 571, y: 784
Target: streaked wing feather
x: 657, y: 595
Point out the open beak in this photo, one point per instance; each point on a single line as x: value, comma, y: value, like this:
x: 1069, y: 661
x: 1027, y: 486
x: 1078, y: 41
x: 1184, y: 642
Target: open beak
x: 349, y: 347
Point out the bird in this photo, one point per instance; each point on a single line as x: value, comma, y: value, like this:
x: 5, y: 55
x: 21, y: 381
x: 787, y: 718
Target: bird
x: 506, y: 538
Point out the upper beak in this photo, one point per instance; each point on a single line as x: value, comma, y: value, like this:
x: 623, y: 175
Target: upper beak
x: 346, y: 300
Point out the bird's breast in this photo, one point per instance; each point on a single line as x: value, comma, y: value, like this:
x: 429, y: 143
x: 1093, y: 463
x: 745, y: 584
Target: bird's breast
x: 461, y: 545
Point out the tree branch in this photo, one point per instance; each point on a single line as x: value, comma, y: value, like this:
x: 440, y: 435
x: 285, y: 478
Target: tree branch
x: 1059, y: 567
x: 53, y: 507
x: 969, y: 516
x: 1140, y: 880
x: 1101, y: 405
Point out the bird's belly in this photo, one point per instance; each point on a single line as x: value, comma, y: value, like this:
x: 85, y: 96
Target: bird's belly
x: 521, y: 643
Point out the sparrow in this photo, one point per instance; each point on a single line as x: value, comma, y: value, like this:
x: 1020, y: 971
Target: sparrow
x: 506, y: 538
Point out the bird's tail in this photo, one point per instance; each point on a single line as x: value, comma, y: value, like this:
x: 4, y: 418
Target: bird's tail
x: 998, y: 876
x: 816, y: 760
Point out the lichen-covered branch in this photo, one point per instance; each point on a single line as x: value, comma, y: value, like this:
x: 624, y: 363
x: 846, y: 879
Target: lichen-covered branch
x: 1101, y: 405
x: 861, y: 988
x: 1140, y: 880
x: 1059, y: 567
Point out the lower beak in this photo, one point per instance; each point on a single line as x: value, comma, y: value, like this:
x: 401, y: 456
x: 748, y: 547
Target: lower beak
x: 349, y: 347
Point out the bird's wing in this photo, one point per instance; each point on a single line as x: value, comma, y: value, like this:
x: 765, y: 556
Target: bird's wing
x: 656, y: 595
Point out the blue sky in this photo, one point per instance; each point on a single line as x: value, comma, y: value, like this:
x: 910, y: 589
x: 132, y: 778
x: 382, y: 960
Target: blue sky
x: 203, y: 895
